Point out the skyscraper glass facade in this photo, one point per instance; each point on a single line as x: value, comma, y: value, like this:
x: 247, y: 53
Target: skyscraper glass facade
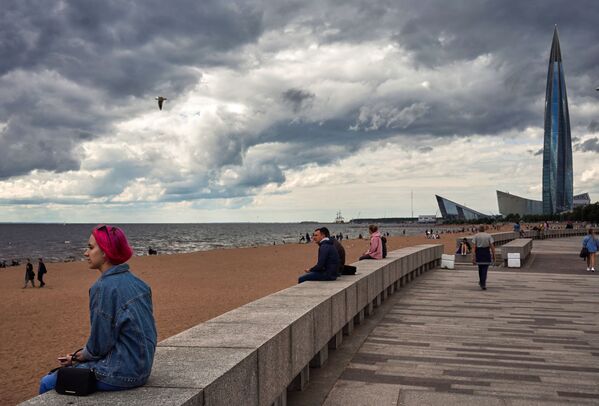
x: 558, y: 183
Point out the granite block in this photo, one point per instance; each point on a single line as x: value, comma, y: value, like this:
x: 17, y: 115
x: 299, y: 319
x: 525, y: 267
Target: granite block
x: 336, y: 340
x: 301, y: 380
x: 351, y: 302
x: 302, y: 342
x: 135, y: 397
x: 372, y: 292
x: 338, y: 311
x: 222, y: 373
x: 320, y: 358
x: 274, y: 368
x: 362, y: 292
x: 348, y: 329
x: 322, y: 324
x: 386, y: 275
x: 263, y: 315
x: 220, y: 334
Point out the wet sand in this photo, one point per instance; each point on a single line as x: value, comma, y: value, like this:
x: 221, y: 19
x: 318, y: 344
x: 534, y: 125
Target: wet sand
x: 38, y: 325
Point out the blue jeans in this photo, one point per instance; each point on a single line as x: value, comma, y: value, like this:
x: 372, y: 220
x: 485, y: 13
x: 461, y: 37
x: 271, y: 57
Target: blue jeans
x: 482, y: 275
x: 48, y: 383
x: 314, y: 276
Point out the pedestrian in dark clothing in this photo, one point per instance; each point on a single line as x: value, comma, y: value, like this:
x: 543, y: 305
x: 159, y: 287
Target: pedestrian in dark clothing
x: 307, y: 238
x: 29, y: 274
x: 483, y: 254
x: 41, y: 271
x: 328, y: 259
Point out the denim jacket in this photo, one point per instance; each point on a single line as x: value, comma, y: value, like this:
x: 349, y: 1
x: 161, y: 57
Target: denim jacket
x: 122, y: 339
x: 591, y: 243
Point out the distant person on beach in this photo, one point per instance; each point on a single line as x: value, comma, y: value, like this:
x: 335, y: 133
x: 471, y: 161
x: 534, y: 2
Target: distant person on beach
x: 29, y: 274
x: 122, y: 341
x: 483, y: 254
x: 41, y: 271
x: 328, y: 259
x: 592, y: 245
x: 307, y: 238
x: 375, y: 250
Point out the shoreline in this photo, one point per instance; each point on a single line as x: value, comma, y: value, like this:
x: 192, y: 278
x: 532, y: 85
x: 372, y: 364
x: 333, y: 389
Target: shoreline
x: 187, y: 289
x: 67, y: 255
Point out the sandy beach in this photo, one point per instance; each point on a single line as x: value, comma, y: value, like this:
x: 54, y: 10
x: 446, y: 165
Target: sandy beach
x: 38, y: 325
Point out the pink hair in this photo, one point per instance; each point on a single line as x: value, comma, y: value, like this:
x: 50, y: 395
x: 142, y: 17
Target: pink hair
x: 113, y: 242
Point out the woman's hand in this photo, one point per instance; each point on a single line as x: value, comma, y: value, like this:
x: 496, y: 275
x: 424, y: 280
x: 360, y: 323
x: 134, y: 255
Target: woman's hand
x: 66, y: 361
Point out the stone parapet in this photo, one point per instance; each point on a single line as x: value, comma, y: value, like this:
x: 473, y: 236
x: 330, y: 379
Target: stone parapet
x: 253, y: 354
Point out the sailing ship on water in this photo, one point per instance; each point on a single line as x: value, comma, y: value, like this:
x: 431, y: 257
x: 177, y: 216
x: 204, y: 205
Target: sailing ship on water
x: 339, y: 219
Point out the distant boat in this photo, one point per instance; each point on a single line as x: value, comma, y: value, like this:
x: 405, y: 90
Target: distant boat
x: 339, y: 219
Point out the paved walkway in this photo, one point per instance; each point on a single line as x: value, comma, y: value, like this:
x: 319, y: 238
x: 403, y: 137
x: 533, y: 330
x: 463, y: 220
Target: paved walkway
x: 531, y: 339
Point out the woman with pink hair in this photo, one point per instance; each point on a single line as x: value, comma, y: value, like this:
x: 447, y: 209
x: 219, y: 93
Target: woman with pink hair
x: 122, y: 341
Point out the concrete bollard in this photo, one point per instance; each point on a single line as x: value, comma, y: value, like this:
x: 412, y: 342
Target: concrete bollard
x: 336, y: 341
x: 300, y: 382
x: 320, y: 358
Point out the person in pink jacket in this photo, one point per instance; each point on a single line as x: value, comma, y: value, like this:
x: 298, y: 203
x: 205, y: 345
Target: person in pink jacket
x: 376, y: 245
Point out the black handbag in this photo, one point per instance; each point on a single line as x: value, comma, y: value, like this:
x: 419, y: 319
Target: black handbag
x: 348, y: 270
x: 584, y: 252
x: 75, y: 381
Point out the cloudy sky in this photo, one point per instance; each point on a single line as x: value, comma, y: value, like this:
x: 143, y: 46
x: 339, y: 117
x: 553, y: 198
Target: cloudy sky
x: 283, y: 110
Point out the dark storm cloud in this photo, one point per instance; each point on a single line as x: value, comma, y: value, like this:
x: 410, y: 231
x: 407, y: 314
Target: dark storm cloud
x: 297, y: 98
x: 70, y: 70
x: 113, y: 54
x: 590, y: 145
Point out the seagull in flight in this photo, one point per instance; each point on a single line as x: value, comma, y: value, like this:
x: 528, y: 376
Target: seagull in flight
x: 160, y: 101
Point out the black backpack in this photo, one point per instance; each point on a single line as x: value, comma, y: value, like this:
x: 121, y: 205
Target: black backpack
x: 384, y: 240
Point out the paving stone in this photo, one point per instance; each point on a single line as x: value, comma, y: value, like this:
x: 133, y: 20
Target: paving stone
x: 529, y: 339
x: 361, y: 394
x: 425, y: 398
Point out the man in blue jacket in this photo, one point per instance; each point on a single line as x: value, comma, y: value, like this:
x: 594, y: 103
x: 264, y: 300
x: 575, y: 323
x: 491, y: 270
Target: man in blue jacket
x: 328, y: 259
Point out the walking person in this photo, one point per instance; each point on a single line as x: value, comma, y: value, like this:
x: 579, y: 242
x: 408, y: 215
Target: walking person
x: 41, y: 271
x: 483, y: 255
x: 122, y: 340
x: 29, y: 274
x: 591, y: 243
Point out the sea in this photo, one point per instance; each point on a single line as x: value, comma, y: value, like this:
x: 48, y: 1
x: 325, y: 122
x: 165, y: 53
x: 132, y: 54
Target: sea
x: 67, y: 242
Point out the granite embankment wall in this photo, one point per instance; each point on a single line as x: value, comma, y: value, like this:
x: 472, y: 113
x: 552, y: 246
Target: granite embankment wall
x: 253, y: 354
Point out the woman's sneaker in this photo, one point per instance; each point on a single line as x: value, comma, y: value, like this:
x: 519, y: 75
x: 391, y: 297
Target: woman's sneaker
x: 588, y: 269
x: 592, y: 269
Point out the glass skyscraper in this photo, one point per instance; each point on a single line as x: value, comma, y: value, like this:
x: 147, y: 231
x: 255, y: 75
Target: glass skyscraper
x: 558, y: 187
